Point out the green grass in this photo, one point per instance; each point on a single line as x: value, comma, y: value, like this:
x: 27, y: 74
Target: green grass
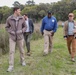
x: 56, y: 63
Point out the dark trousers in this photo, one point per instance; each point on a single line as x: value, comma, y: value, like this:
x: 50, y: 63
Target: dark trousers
x: 27, y: 37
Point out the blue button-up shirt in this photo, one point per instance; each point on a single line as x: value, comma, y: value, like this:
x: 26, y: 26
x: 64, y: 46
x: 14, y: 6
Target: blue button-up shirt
x: 49, y: 24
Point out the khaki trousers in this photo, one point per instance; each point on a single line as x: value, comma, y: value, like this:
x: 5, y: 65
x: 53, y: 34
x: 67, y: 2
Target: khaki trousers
x: 12, y: 45
x: 47, y: 41
x: 71, y: 43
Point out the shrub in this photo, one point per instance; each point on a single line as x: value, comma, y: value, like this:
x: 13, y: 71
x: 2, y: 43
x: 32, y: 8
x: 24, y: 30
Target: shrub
x: 3, y: 41
x: 36, y: 35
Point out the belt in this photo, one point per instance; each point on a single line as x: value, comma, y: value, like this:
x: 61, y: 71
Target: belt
x: 48, y: 30
x: 70, y: 35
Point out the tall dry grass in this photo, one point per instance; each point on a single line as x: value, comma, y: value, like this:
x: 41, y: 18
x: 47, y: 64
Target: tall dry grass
x: 37, y: 33
x: 4, y: 37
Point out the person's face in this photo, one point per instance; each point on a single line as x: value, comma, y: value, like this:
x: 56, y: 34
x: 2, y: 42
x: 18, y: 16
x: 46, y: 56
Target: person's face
x: 71, y: 17
x: 18, y: 11
x: 25, y: 17
x: 49, y: 15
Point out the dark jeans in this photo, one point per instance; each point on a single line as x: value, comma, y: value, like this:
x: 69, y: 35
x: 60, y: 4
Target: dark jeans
x: 27, y: 37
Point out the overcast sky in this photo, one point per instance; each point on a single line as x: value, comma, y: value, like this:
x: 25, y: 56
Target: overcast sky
x: 10, y: 2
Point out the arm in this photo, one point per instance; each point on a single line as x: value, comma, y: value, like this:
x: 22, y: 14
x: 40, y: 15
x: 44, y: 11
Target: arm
x: 32, y: 26
x: 24, y: 26
x: 55, y: 26
x: 8, y: 29
x: 42, y: 26
x: 65, y: 30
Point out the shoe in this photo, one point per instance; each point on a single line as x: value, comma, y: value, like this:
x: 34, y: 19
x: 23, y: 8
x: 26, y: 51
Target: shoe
x: 28, y: 54
x: 50, y: 51
x: 45, y: 54
x: 73, y: 60
x: 10, y: 69
x: 23, y: 64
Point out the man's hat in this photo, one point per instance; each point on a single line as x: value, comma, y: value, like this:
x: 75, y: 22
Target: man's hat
x: 49, y: 12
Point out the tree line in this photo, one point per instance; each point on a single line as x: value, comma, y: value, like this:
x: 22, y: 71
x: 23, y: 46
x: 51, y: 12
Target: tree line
x: 59, y: 9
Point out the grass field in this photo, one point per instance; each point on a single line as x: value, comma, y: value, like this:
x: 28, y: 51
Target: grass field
x: 56, y: 63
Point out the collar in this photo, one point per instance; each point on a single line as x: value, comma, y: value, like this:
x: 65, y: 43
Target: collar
x: 71, y: 21
x: 27, y: 19
x: 19, y: 17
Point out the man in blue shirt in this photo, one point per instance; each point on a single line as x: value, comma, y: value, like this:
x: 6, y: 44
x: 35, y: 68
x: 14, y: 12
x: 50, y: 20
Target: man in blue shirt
x: 48, y: 28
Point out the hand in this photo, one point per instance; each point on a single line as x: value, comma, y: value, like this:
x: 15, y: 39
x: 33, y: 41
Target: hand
x: 74, y: 31
x: 52, y: 33
x: 19, y: 32
x: 65, y: 38
x: 12, y: 32
x: 42, y: 33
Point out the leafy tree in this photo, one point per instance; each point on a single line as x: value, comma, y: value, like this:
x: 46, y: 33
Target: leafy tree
x: 30, y: 2
x: 5, y: 12
x: 42, y: 13
x: 60, y: 9
x: 74, y: 13
x: 17, y: 4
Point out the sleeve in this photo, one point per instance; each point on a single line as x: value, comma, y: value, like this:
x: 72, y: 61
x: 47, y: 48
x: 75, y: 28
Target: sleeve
x: 42, y: 26
x: 65, y: 29
x: 32, y: 26
x: 7, y: 27
x: 24, y: 26
x: 55, y: 26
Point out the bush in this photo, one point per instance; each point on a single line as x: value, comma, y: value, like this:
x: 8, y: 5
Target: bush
x: 36, y: 35
x: 3, y: 41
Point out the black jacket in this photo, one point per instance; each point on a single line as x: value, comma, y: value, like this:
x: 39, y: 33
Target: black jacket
x: 31, y: 26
